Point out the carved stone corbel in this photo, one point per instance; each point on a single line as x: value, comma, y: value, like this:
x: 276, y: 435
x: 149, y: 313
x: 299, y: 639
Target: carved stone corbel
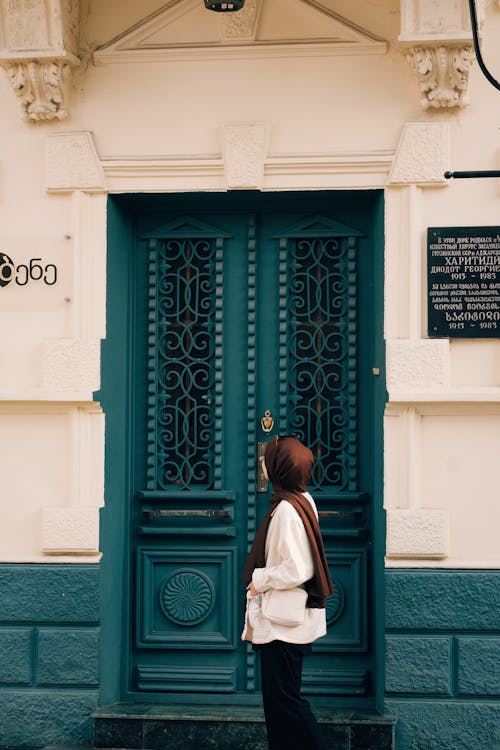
x: 442, y: 74
x: 437, y: 37
x: 38, y: 46
x: 41, y: 88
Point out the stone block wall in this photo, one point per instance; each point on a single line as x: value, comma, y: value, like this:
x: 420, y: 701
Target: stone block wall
x: 49, y: 653
x: 443, y: 658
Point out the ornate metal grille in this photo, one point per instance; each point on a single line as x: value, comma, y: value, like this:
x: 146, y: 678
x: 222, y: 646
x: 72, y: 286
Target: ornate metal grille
x: 185, y: 356
x: 321, y: 354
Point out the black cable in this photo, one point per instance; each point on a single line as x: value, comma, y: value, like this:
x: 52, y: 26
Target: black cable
x: 493, y: 81
x: 475, y: 37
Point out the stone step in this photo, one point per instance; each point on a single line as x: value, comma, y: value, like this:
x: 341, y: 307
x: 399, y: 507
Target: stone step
x: 137, y: 726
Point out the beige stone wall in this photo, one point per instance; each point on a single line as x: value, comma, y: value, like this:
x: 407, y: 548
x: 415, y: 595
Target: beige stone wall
x: 146, y: 115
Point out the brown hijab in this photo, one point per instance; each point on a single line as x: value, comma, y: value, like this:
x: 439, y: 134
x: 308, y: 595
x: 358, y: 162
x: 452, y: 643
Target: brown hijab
x: 289, y: 465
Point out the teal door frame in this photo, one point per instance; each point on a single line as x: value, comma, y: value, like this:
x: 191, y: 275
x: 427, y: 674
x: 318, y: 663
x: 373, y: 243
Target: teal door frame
x: 115, y: 394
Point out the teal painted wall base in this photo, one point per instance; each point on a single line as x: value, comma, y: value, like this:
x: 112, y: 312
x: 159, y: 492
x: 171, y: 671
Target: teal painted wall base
x: 49, y: 654
x: 443, y: 658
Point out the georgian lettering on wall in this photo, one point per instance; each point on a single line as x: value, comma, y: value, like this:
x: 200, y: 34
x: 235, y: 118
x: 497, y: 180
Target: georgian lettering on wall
x: 33, y: 270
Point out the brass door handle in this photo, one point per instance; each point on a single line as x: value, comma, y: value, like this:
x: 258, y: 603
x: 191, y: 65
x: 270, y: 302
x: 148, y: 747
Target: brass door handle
x: 261, y: 481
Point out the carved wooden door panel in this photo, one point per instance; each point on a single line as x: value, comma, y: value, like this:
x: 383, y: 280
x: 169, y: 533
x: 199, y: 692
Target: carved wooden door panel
x: 238, y: 313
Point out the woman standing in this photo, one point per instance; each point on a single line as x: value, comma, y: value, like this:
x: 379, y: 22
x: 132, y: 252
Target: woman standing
x: 287, y: 555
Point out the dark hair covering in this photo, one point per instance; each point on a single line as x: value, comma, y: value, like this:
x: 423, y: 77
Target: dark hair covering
x: 289, y: 464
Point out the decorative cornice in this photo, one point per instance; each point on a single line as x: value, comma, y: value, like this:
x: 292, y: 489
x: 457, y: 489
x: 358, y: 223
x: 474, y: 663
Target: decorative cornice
x: 248, y: 34
x: 38, y: 44
x: 442, y: 74
x: 257, y: 51
x: 190, y: 172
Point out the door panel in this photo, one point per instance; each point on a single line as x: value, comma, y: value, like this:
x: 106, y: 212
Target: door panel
x: 239, y: 313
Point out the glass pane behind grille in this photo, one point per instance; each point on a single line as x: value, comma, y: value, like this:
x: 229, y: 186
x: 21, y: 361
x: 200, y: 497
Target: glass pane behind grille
x: 322, y: 356
x: 185, y: 369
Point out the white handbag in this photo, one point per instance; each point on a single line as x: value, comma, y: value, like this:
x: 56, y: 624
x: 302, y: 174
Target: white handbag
x: 285, y: 606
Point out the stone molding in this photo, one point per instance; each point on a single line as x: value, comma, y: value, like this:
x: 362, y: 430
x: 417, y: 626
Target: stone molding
x: 323, y: 171
x: 244, y: 153
x: 247, y: 34
x: 38, y: 48
x: 72, y: 163
x: 71, y: 365
x: 422, y: 155
x: 417, y: 533
x: 417, y: 365
x: 437, y: 38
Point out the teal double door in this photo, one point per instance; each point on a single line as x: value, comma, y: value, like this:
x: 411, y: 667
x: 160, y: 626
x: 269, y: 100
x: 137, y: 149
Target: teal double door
x: 251, y: 316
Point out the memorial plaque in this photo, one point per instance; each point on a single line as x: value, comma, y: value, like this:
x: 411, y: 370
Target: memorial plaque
x: 463, y: 276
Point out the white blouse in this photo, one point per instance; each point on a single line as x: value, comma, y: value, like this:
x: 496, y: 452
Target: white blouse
x: 289, y: 563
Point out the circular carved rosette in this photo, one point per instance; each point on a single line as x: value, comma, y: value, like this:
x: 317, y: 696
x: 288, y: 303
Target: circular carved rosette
x: 187, y: 597
x: 335, y: 603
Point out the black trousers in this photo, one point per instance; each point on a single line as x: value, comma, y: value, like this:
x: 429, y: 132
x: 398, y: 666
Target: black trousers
x: 289, y: 720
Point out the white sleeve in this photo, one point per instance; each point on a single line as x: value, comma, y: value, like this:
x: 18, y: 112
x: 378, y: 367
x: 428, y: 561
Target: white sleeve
x: 289, y: 546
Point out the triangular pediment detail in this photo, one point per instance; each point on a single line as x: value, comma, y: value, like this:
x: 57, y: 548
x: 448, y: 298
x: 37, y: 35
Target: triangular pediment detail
x: 185, y: 227
x: 318, y: 226
x: 184, y: 27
